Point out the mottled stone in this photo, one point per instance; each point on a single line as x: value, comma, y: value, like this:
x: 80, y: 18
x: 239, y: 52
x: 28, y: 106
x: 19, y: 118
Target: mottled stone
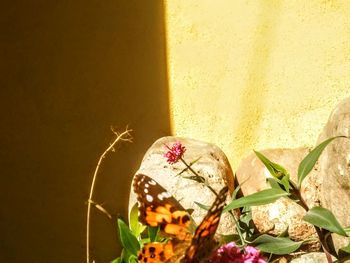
x: 212, y: 165
x: 276, y: 217
x: 335, y: 168
x: 311, y: 258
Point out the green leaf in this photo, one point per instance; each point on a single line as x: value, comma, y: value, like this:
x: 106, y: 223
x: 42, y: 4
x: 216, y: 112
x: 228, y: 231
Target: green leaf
x: 144, y: 241
x: 274, y: 183
x: 128, y: 240
x: 153, y: 233
x: 125, y: 255
x: 344, y: 253
x: 286, y: 182
x: 117, y: 260
x: 324, y: 218
x: 132, y: 259
x: 275, y: 169
x: 276, y: 245
x: 229, y: 238
x: 246, y: 215
x: 135, y: 226
x: 308, y: 163
x: 346, y: 249
x: 235, y: 192
x: 285, y: 233
x: 246, y: 224
x: 259, y: 198
x: 205, y: 207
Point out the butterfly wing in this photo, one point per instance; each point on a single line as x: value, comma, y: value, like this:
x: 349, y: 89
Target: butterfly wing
x: 158, y: 207
x: 170, y: 252
x: 203, y: 240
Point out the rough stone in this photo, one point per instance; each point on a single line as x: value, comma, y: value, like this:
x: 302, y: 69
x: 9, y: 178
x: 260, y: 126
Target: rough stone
x: 274, y: 218
x: 335, y: 168
x: 212, y: 165
x: 312, y: 258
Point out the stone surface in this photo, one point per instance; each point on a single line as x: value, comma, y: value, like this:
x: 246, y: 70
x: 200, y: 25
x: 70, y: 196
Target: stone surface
x: 274, y: 218
x: 335, y: 167
x: 311, y: 258
x: 212, y: 165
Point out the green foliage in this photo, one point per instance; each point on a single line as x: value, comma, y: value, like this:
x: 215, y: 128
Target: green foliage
x: 279, y: 173
x: 285, y: 233
x: 324, y: 218
x: 281, y: 186
x: 117, y: 260
x: 205, y: 207
x: 235, y: 192
x: 130, y: 237
x: 344, y: 251
x: 127, y: 257
x: 153, y: 233
x: 135, y: 226
x: 246, y: 223
x: 275, y: 169
x: 276, y: 245
x: 274, y: 183
x: 229, y: 238
x: 259, y: 198
x: 310, y: 160
x: 127, y: 238
x: 132, y: 259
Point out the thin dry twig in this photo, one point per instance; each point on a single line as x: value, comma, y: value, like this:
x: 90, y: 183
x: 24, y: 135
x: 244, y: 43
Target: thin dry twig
x: 126, y: 137
x: 101, y: 208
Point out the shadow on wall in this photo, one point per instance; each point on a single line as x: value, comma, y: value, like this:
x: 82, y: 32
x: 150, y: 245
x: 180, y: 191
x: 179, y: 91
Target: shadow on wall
x: 71, y: 70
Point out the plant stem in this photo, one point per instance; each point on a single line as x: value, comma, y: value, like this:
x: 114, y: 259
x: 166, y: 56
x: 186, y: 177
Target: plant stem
x: 199, y: 177
x: 238, y: 228
x: 319, y: 231
x: 124, y: 136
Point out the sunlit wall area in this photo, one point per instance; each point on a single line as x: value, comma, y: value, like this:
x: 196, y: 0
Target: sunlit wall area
x: 256, y: 74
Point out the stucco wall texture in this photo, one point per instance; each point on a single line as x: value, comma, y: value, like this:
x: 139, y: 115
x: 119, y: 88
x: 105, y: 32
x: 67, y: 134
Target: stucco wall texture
x: 256, y: 74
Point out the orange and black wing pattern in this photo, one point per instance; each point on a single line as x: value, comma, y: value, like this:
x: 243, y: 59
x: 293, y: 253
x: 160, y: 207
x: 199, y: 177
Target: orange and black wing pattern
x: 159, y: 208
x: 203, y: 240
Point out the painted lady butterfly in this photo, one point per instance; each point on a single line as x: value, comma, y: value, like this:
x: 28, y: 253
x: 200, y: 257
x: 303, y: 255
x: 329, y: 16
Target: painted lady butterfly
x: 159, y: 208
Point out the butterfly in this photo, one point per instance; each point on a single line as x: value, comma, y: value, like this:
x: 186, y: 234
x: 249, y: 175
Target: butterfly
x: 158, y: 208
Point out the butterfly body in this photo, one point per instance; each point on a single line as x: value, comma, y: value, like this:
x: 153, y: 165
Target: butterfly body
x: 158, y: 208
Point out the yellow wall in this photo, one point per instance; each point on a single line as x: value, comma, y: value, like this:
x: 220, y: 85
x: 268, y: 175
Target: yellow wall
x: 256, y: 74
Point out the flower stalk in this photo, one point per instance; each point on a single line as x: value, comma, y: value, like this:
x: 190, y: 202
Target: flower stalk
x: 175, y: 153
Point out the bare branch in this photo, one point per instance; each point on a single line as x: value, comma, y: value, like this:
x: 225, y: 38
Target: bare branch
x: 101, y: 208
x: 126, y: 137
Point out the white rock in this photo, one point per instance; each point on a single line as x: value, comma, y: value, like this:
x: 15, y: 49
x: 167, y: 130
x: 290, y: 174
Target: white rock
x: 335, y: 168
x: 311, y: 258
x: 212, y: 165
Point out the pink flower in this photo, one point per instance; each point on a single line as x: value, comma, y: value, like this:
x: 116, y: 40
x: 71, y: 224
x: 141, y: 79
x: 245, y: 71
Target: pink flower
x: 175, y: 152
x: 252, y: 255
x: 230, y: 253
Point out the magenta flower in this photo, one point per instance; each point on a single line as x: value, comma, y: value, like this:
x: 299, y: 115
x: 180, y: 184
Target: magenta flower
x: 230, y: 253
x: 175, y: 152
x: 252, y: 255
